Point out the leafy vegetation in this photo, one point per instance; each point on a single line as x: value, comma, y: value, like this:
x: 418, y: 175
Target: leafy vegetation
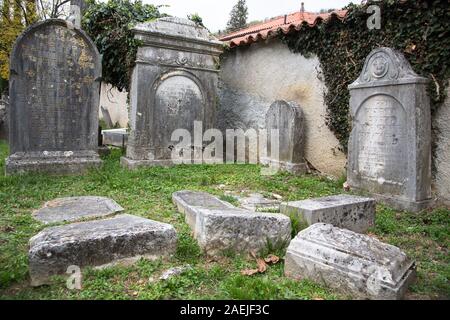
x: 110, y: 24
x: 238, y: 16
x: 420, y: 29
x: 147, y: 193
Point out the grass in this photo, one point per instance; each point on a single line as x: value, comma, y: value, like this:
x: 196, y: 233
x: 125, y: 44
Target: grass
x: 147, y: 193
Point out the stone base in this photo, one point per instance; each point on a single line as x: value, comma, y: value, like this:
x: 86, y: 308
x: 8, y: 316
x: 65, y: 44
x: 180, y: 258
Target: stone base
x: 294, y: 168
x: 350, y: 263
x: 52, y: 162
x: 120, y: 240
x: 344, y: 211
x: 136, y: 164
x: 402, y: 204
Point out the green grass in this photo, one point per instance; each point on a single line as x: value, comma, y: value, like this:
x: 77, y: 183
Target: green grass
x: 147, y: 193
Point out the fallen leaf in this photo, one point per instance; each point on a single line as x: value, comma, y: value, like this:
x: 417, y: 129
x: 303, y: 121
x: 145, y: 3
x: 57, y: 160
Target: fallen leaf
x: 273, y: 259
x: 249, y: 272
x: 262, y: 266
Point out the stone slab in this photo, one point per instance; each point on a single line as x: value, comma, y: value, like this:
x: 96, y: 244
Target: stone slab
x: 76, y: 209
x: 240, y: 231
x: 257, y: 202
x: 293, y: 168
x: 343, y: 211
x: 122, y: 239
x: 350, y: 263
x: 115, y: 137
x: 189, y: 202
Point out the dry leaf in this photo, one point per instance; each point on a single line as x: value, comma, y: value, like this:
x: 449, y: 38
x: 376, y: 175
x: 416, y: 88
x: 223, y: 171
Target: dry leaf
x: 249, y: 272
x: 262, y: 266
x: 272, y: 259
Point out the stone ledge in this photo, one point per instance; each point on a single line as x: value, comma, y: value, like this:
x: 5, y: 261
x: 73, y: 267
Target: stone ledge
x: 75, y: 209
x: 350, y: 263
x: 124, y: 238
x: 343, y: 211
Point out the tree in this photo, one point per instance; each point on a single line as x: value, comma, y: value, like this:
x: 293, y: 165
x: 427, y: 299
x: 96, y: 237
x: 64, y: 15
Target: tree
x: 109, y: 24
x: 238, y: 16
x: 15, y: 16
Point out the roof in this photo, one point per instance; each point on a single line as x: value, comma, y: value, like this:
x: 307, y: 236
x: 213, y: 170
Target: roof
x: 285, y: 23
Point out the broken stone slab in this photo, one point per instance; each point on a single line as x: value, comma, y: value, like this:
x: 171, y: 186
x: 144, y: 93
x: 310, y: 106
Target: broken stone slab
x: 120, y: 240
x: 189, y: 202
x: 350, y: 263
x: 257, y: 202
x: 174, y: 272
x: 115, y: 137
x: 220, y: 231
x: 343, y: 211
x: 76, y: 208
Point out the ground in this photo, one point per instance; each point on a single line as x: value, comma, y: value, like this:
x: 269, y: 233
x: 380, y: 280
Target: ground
x: 147, y: 193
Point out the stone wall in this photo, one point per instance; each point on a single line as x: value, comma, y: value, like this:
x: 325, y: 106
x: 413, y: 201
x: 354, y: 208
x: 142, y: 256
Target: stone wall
x: 116, y: 103
x: 252, y: 78
x: 442, y: 151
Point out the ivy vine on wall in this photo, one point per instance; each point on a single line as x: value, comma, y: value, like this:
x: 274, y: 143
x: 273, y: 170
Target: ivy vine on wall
x: 420, y: 29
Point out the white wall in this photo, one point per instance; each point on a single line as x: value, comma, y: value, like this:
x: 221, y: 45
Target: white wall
x: 254, y: 77
x: 116, y: 103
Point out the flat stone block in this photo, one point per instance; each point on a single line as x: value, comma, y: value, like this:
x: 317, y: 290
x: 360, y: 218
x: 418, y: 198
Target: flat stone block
x: 350, y: 263
x: 189, y: 202
x: 136, y: 164
x: 76, y: 209
x: 343, y: 211
x: 256, y: 202
x: 55, y: 162
x: 115, y: 137
x: 122, y: 239
x: 240, y: 231
x: 293, y: 168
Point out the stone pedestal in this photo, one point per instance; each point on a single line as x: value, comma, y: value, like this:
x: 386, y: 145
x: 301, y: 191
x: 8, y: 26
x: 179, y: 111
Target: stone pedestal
x: 285, y: 138
x: 174, y: 84
x: 54, y: 96
x: 390, y: 144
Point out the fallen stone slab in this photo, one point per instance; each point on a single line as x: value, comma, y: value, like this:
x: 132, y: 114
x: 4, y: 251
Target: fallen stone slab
x: 257, y: 202
x: 115, y: 137
x: 350, y: 263
x: 76, y: 209
x: 343, y: 211
x: 189, y: 202
x: 220, y: 231
x: 120, y: 240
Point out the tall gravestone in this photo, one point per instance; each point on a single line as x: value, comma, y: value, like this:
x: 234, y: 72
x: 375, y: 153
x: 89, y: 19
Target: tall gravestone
x: 54, y: 97
x: 390, y: 144
x: 174, y: 84
x: 285, y: 138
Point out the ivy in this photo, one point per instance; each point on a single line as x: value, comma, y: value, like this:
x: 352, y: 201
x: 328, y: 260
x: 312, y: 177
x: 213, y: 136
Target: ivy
x: 110, y: 25
x: 420, y: 29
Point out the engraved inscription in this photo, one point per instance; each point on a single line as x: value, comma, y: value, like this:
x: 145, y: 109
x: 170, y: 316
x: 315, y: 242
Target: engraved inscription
x: 381, y: 134
x: 179, y: 102
x: 55, y: 82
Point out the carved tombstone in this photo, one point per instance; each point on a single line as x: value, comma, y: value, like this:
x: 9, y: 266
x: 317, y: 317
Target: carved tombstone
x: 174, y: 84
x: 285, y: 137
x: 390, y: 144
x: 54, y: 97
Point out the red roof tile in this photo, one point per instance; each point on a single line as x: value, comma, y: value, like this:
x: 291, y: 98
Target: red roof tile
x: 270, y: 28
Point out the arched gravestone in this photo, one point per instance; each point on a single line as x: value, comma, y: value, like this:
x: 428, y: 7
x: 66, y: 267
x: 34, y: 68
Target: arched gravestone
x: 390, y: 144
x: 285, y: 145
x: 54, y: 97
x: 174, y: 84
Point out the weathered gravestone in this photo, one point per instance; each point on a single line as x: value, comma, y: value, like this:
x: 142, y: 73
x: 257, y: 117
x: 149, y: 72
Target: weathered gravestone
x: 174, y: 84
x: 54, y: 96
x: 285, y: 138
x: 390, y: 144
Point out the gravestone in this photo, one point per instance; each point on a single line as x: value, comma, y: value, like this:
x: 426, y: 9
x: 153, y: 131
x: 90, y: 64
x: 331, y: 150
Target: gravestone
x: 54, y: 97
x: 174, y: 84
x: 390, y: 143
x: 350, y: 263
x: 285, y: 138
